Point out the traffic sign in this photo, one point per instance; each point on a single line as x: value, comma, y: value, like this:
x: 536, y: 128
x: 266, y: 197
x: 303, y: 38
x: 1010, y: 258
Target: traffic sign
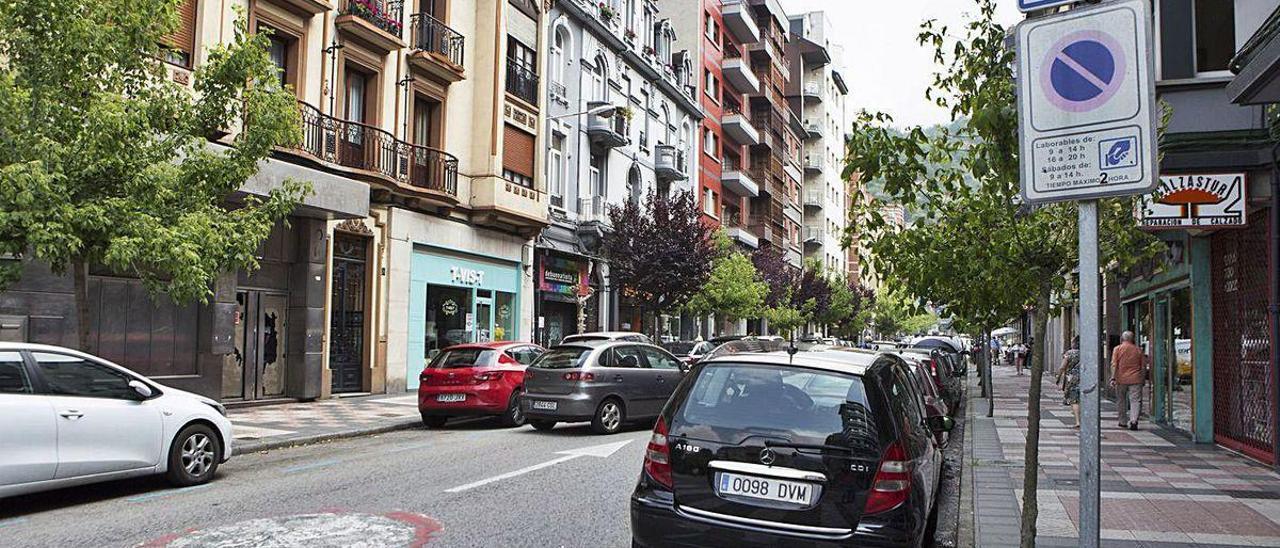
x: 1086, y: 103
x: 1033, y: 5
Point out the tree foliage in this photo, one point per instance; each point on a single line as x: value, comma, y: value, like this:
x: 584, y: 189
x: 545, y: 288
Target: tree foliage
x: 734, y: 288
x: 660, y: 255
x: 105, y: 161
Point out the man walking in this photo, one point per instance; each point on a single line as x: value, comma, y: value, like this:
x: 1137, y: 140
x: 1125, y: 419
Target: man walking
x: 1128, y: 371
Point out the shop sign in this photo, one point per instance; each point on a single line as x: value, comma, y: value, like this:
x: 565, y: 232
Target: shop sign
x: 1203, y: 201
x: 466, y: 276
x: 565, y: 276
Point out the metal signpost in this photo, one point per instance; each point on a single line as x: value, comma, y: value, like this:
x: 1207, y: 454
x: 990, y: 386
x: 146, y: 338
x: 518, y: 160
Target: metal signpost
x: 1086, y: 120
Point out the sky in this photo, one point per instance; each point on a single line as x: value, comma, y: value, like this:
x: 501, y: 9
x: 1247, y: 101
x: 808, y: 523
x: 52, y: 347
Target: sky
x: 884, y: 67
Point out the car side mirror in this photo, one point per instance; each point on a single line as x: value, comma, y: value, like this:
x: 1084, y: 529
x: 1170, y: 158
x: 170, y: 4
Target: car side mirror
x: 941, y: 424
x: 141, y: 389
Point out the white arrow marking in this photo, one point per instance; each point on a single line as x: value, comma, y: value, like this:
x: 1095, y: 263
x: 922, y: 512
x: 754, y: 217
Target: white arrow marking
x: 598, y: 451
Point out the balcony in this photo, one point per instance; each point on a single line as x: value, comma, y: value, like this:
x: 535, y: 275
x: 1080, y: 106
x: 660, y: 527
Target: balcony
x: 737, y: 71
x: 607, y: 132
x: 308, y: 7
x: 593, y: 209
x: 499, y: 203
x: 373, y: 22
x: 739, y: 20
x: 737, y: 230
x: 814, y: 164
x: 812, y: 129
x: 814, y: 236
x: 522, y: 82
x: 370, y: 153
x: 736, y: 126
x: 814, y: 199
x: 437, y: 49
x: 733, y: 179
x: 814, y: 91
x: 669, y: 163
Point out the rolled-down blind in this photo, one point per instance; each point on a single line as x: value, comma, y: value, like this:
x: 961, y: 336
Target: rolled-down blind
x: 184, y: 36
x: 517, y: 153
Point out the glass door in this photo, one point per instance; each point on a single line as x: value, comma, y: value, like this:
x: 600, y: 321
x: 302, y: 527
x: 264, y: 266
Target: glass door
x: 1181, y: 364
x: 484, y: 317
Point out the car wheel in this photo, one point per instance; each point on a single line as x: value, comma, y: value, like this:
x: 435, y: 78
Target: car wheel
x: 542, y: 425
x: 434, y: 421
x: 514, y: 415
x: 193, y: 456
x: 609, y: 417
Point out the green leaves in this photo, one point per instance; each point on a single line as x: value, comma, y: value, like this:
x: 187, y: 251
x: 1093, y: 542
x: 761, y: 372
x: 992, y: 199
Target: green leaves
x: 734, y: 288
x: 105, y: 160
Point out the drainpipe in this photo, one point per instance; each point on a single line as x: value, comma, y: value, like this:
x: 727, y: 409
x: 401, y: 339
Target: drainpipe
x: 1274, y: 307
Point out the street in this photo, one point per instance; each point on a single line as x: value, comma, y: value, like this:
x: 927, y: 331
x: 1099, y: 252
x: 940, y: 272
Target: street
x: 447, y: 476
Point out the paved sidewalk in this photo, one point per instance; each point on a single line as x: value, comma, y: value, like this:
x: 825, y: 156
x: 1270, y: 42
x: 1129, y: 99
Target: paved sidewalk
x: 1158, y: 488
x: 270, y: 426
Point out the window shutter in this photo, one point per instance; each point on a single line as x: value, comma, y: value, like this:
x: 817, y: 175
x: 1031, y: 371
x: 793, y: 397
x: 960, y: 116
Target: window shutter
x: 184, y: 36
x: 517, y: 153
x: 1177, y: 32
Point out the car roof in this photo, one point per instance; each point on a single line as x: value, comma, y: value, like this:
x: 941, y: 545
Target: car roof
x: 829, y: 359
x: 610, y: 334
x: 490, y: 345
x: 601, y: 343
x: 35, y: 347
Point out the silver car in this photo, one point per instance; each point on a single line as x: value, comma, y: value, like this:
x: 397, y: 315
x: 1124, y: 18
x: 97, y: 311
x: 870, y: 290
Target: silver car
x: 607, y: 383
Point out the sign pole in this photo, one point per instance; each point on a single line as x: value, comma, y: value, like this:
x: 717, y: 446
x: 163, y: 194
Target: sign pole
x: 1090, y: 360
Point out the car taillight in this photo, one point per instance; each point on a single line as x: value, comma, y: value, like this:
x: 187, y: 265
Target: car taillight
x: 488, y: 376
x: 657, y: 458
x: 892, y: 483
x: 579, y: 376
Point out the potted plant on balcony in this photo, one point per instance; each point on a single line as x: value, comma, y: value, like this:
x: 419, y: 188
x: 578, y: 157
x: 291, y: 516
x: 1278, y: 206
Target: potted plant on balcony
x: 606, y: 12
x: 630, y: 35
x: 648, y: 51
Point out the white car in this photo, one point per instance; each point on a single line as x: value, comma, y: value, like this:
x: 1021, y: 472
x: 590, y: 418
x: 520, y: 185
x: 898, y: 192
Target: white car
x: 68, y: 418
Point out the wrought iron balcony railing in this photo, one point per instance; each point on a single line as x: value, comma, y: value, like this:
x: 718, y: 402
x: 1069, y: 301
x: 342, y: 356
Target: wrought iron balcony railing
x: 522, y: 81
x: 384, y: 14
x: 432, y: 35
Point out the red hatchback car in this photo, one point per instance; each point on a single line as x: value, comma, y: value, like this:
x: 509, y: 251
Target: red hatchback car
x: 481, y: 379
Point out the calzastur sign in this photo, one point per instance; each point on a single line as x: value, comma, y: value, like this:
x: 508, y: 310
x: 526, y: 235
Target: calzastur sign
x: 1201, y: 201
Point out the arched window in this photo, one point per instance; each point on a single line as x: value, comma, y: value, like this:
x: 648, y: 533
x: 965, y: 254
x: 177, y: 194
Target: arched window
x: 559, y: 55
x: 599, y: 80
x: 666, y: 126
x: 635, y: 185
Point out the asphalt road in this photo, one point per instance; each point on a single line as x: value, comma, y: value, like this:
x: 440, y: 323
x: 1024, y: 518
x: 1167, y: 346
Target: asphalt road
x: 473, y: 484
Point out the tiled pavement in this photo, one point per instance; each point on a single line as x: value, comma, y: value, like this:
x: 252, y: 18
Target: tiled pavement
x: 1158, y: 488
x: 268, y: 426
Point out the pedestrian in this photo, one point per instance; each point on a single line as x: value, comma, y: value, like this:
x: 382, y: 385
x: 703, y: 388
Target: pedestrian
x: 1128, y: 371
x: 1069, y: 378
x: 995, y: 349
x: 1019, y: 357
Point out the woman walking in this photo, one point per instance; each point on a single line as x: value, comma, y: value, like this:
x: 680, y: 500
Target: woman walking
x: 1069, y: 379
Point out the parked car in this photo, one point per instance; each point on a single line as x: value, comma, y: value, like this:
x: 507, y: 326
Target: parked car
x: 481, y: 379
x: 70, y: 418
x: 607, y: 336
x: 823, y: 448
x: 606, y: 383
x: 689, y: 352
x: 940, y: 371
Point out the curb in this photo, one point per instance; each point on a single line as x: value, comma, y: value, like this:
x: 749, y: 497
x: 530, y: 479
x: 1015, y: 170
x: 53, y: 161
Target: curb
x: 258, y: 447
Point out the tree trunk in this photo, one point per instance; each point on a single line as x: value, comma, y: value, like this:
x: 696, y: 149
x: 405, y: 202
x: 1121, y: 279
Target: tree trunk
x: 1031, y: 457
x: 980, y: 361
x: 991, y: 387
x: 80, y: 277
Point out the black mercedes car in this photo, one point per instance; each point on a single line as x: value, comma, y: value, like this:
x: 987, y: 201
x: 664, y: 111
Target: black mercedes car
x: 809, y: 448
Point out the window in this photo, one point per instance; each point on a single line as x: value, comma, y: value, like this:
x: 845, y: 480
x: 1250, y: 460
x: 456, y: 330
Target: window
x: 1215, y: 37
x: 712, y: 87
x: 517, y: 156
x: 597, y: 174
x: 567, y: 357
x: 425, y: 115
x: 525, y: 355
x: 72, y: 376
x: 710, y: 143
x: 13, y: 375
x: 623, y: 357
x: 558, y: 56
x: 522, y: 55
x: 709, y: 202
x: 659, y: 360
x: 357, y: 87
x: 278, y: 50
x: 182, y: 43
x: 709, y: 26
x: 555, y: 171
x: 599, y: 91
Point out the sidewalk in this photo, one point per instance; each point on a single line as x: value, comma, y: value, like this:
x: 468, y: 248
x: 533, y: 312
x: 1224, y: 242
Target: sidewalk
x: 270, y: 426
x: 1158, y: 488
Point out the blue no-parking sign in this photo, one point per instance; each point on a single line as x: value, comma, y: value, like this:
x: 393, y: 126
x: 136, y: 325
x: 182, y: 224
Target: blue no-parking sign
x: 1086, y: 103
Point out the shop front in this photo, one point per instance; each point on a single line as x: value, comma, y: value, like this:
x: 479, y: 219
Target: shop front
x: 457, y: 298
x: 563, y: 288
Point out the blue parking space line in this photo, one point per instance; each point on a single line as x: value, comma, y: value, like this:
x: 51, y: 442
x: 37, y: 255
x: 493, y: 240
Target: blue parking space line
x: 12, y: 521
x: 311, y: 465
x: 165, y: 493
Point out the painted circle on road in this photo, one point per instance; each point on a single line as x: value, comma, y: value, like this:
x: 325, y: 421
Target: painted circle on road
x: 1082, y: 71
x: 322, y: 530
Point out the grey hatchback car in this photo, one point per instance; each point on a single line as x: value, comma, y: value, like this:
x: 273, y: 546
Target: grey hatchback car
x: 605, y: 382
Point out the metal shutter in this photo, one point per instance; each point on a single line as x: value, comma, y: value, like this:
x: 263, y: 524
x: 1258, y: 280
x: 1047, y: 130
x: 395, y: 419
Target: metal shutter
x: 517, y: 152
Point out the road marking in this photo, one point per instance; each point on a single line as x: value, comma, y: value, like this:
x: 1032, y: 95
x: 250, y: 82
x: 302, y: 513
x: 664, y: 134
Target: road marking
x: 12, y: 521
x: 166, y: 493
x: 311, y: 465
x: 598, y: 451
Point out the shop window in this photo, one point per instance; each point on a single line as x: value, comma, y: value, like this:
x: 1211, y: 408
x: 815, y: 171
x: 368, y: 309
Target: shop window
x: 504, y: 316
x: 447, y: 311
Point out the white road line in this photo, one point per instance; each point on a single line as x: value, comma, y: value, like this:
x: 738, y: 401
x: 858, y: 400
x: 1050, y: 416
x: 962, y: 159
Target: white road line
x: 599, y: 451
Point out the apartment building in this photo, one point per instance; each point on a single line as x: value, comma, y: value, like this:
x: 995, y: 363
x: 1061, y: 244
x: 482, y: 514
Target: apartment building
x: 622, y: 121
x: 817, y: 92
x: 420, y: 128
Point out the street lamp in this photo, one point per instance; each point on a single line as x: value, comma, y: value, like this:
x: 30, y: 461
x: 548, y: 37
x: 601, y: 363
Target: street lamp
x: 603, y: 111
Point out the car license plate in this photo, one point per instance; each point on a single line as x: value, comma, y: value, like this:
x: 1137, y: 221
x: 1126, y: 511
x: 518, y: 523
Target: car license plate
x: 791, y: 492
x: 450, y: 398
x: 545, y: 405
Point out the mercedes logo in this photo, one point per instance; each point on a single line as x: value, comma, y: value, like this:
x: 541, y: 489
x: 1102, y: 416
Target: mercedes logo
x: 767, y: 457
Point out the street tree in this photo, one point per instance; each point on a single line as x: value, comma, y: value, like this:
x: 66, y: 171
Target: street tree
x: 105, y: 161
x: 734, y: 289
x: 973, y: 248
x: 660, y: 255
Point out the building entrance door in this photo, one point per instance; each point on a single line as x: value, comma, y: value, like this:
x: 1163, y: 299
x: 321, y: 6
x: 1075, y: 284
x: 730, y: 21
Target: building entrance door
x: 347, y: 325
x: 484, y: 317
x: 260, y: 352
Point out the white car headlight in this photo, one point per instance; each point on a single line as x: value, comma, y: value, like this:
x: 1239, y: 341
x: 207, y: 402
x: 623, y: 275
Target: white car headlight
x: 217, y: 407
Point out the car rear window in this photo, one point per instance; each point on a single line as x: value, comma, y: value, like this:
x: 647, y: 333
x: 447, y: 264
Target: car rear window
x: 463, y: 357
x: 679, y: 348
x: 584, y: 338
x: 732, y: 402
x: 562, y: 358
